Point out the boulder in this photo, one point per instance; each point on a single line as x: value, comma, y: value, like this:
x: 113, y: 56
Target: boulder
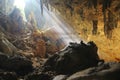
x: 106, y: 71
x: 18, y: 64
x: 8, y: 76
x: 73, y: 58
x: 60, y: 77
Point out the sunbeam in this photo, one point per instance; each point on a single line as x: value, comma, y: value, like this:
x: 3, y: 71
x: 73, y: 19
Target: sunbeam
x: 62, y: 28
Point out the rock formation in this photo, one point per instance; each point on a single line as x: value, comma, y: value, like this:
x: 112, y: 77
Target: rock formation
x: 74, y: 57
x: 95, y: 20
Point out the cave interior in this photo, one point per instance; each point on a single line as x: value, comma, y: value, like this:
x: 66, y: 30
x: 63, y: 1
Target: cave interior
x: 59, y: 39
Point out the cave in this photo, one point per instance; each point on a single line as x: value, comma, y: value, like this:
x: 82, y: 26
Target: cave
x: 59, y: 39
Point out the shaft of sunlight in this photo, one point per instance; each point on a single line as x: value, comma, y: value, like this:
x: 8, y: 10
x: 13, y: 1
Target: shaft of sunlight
x: 19, y: 4
x: 60, y: 26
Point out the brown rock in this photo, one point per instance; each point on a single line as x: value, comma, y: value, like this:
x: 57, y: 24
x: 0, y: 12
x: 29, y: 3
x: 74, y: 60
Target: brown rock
x: 6, y: 46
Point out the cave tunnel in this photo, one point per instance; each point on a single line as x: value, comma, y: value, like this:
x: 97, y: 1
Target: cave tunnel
x: 59, y: 39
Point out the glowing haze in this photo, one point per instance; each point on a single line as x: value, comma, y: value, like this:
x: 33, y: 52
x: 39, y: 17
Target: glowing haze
x: 19, y: 4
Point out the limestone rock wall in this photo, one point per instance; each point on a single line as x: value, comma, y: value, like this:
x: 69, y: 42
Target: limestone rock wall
x: 96, y: 20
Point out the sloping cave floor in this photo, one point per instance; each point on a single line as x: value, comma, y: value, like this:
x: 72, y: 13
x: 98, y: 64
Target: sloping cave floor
x: 77, y: 61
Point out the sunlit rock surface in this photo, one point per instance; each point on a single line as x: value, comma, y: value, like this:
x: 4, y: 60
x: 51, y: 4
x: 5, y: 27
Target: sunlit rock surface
x: 89, y: 20
x: 32, y: 9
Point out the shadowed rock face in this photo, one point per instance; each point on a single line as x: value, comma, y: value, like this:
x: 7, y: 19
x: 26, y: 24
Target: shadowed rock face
x: 106, y: 71
x: 8, y: 76
x: 38, y: 77
x: 18, y: 64
x: 73, y: 58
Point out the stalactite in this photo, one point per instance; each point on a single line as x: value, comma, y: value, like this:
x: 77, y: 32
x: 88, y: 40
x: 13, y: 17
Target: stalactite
x: 41, y: 6
x: 47, y: 4
x: 95, y: 3
x: 69, y: 6
x: 110, y: 24
x: 71, y: 11
x: 89, y: 4
x: 105, y: 22
x: 81, y: 12
x: 95, y: 24
x: 107, y: 18
x: 106, y: 4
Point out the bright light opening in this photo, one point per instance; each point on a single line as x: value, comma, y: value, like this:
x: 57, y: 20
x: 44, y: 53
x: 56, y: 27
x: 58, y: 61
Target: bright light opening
x: 56, y: 23
x: 19, y: 4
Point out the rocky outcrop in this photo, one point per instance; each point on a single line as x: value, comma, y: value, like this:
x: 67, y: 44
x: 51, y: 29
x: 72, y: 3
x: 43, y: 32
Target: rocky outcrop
x: 106, y: 71
x: 8, y: 76
x: 13, y: 25
x: 6, y: 46
x: 73, y: 58
x: 18, y: 64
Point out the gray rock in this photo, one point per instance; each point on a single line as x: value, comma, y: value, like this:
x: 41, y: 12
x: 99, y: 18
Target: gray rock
x: 60, y: 77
